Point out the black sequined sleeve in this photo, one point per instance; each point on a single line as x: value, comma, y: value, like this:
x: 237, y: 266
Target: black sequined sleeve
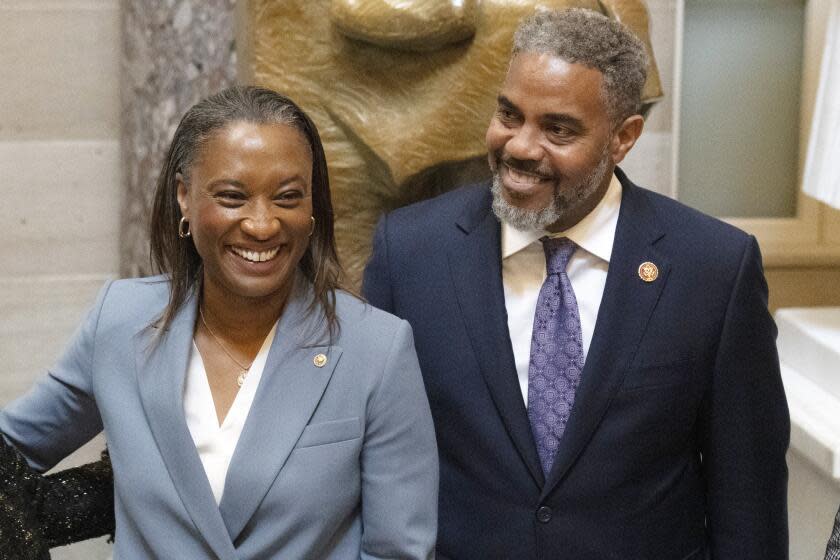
x: 39, y: 512
x: 77, y: 504
x: 20, y: 532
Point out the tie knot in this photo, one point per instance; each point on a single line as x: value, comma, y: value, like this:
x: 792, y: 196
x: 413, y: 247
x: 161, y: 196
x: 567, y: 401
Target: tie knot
x: 558, y: 251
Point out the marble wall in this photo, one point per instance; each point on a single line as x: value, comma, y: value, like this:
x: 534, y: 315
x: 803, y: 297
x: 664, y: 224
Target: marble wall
x: 59, y: 159
x: 175, y: 52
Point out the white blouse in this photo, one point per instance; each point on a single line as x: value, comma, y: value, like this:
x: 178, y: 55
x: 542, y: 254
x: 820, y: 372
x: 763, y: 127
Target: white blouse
x: 215, y: 444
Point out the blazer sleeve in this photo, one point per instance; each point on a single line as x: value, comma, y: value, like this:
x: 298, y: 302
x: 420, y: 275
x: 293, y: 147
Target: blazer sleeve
x: 59, y: 414
x: 399, y: 462
x: 376, y: 285
x: 745, y: 428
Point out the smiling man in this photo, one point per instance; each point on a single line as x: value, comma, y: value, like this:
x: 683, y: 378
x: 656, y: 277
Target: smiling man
x: 599, y: 359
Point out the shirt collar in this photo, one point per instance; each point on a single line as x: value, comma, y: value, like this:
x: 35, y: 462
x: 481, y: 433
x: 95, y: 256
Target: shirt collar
x: 595, y: 233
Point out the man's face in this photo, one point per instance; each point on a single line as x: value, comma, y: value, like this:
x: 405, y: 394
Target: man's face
x: 550, y: 143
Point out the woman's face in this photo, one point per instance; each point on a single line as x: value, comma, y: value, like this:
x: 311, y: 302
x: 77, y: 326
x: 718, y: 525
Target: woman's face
x: 248, y: 200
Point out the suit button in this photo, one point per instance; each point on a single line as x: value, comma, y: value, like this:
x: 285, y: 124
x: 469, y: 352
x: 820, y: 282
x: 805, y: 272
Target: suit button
x: 544, y: 514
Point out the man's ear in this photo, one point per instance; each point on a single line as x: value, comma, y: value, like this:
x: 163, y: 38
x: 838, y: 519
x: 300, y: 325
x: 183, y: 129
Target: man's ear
x: 183, y: 195
x: 625, y: 136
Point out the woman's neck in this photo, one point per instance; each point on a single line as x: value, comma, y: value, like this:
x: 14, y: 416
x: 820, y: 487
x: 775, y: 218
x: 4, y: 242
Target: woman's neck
x: 242, y: 320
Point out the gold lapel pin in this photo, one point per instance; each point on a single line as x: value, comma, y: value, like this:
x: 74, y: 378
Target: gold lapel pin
x: 648, y: 271
x: 320, y: 360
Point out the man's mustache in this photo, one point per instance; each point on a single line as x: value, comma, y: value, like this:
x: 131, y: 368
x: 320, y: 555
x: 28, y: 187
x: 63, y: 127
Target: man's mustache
x: 526, y: 166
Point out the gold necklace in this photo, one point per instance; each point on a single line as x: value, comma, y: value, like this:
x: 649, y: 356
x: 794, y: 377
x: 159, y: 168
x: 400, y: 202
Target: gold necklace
x: 240, y: 379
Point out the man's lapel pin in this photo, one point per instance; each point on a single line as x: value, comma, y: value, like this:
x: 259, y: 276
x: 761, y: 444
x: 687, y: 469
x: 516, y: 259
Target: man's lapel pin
x: 648, y: 271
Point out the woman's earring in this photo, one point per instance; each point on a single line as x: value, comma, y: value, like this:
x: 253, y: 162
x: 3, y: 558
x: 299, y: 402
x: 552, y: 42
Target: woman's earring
x: 311, y: 231
x: 184, y: 232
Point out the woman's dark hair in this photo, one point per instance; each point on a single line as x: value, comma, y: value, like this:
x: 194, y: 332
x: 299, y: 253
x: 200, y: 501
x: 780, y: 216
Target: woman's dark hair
x: 177, y: 257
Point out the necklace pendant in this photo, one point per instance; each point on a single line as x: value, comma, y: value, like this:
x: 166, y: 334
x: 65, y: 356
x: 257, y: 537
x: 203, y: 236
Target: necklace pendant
x: 240, y: 379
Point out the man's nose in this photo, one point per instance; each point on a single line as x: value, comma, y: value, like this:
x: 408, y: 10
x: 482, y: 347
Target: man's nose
x: 261, y: 222
x: 524, y: 144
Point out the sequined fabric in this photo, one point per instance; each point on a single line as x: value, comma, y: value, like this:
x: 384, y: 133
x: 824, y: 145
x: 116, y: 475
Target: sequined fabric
x: 40, y: 512
x: 832, y: 550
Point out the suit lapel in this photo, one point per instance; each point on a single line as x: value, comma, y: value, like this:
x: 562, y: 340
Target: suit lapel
x: 475, y: 265
x: 161, y: 370
x: 288, y: 393
x: 625, y: 310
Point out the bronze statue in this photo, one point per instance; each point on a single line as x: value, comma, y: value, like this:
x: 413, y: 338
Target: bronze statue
x: 401, y: 90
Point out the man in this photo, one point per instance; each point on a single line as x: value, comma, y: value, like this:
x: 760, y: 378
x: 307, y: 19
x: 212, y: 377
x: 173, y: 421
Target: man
x: 599, y: 359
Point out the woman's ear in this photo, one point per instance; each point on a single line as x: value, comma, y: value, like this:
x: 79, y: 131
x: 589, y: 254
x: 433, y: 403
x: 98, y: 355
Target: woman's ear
x: 183, y: 193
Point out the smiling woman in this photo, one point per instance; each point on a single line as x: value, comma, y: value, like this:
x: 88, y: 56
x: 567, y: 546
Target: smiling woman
x: 243, y: 378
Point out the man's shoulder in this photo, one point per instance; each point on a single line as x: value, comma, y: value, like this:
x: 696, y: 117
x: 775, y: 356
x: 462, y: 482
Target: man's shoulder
x: 683, y: 223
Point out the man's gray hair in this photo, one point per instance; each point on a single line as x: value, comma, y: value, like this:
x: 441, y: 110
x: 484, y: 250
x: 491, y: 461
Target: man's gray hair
x: 586, y: 37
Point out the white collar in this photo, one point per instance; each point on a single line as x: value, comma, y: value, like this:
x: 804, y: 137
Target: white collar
x: 595, y: 233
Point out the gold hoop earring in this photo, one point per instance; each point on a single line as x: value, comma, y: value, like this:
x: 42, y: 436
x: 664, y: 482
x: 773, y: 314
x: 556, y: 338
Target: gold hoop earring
x: 311, y: 231
x: 184, y: 233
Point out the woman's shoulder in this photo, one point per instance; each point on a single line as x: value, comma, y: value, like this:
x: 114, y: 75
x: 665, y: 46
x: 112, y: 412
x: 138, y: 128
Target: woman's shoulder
x: 351, y: 308
x: 361, y: 322
x: 134, y: 299
x: 139, y: 290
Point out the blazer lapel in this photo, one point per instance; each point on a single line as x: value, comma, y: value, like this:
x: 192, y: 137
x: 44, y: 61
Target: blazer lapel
x: 288, y: 393
x: 475, y: 266
x: 161, y: 369
x: 626, y: 307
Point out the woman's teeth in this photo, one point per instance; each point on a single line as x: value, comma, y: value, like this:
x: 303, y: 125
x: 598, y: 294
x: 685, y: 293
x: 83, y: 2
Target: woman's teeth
x: 256, y: 256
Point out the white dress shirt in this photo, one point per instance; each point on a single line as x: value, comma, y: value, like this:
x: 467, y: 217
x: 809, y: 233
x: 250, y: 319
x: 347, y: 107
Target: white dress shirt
x: 215, y: 444
x: 523, y: 273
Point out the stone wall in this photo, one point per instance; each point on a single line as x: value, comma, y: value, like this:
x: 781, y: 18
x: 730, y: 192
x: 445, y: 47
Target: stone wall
x: 59, y: 160
x: 174, y: 54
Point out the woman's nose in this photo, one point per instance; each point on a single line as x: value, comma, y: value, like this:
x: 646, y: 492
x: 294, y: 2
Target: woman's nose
x: 261, y: 223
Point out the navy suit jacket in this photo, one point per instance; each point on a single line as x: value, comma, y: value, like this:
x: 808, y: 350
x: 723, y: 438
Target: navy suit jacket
x: 676, y: 444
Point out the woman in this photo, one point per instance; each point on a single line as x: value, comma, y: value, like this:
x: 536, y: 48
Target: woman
x: 252, y: 408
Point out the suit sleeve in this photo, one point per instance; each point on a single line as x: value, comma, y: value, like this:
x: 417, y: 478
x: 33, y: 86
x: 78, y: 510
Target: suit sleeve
x: 745, y: 428
x: 59, y: 414
x: 399, y: 462
x: 376, y: 285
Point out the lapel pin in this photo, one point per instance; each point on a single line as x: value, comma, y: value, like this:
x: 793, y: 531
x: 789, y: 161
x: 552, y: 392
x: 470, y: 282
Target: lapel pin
x: 648, y: 271
x: 320, y: 360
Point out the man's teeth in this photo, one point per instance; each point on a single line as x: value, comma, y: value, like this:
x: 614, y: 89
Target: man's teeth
x: 256, y: 256
x: 527, y: 178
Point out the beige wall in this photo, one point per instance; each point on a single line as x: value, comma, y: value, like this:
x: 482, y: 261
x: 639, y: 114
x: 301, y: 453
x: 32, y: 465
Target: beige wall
x: 59, y: 161
x: 800, y: 286
x: 808, y: 276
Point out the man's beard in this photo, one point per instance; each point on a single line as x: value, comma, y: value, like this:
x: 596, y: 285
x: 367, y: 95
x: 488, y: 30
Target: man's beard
x: 564, y: 200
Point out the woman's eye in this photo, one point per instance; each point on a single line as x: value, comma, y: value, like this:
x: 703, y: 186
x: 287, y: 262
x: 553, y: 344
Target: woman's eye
x: 289, y: 197
x: 230, y: 197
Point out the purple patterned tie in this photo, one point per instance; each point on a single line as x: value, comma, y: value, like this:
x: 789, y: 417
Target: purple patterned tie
x: 556, y: 353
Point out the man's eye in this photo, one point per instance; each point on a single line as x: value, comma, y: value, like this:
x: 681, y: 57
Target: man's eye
x: 505, y: 115
x: 561, y: 132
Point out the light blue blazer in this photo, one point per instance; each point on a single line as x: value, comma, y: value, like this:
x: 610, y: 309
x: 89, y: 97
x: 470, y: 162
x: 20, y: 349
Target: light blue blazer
x: 335, y: 462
